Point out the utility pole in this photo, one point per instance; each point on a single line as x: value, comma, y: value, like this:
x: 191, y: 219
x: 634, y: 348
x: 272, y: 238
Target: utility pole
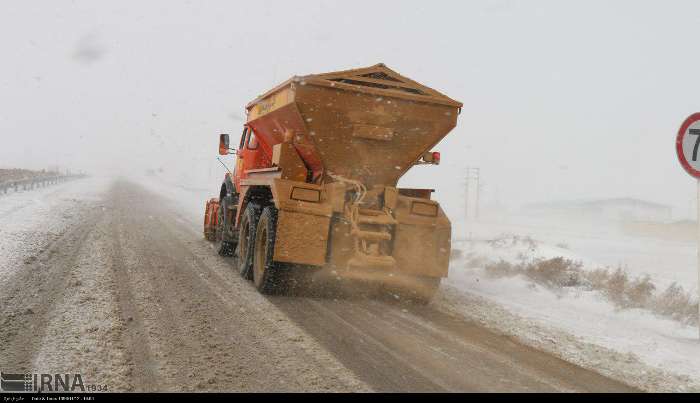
x: 471, y: 198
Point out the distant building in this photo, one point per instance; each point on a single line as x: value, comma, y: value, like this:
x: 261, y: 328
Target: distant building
x: 621, y: 209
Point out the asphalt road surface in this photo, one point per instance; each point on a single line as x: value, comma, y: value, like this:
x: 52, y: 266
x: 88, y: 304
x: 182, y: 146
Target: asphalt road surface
x: 133, y: 298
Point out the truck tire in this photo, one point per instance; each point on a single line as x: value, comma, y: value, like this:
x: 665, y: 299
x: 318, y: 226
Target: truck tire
x: 226, y: 246
x: 268, y: 276
x: 246, y: 239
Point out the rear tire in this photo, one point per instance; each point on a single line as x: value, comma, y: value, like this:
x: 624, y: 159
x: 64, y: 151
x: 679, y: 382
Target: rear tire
x: 246, y: 240
x: 269, y: 276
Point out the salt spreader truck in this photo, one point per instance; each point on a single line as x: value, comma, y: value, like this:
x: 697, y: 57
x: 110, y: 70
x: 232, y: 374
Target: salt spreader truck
x: 314, y: 186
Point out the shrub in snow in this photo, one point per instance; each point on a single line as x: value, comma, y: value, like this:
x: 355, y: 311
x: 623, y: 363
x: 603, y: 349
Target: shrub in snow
x: 559, y: 274
x: 676, y: 303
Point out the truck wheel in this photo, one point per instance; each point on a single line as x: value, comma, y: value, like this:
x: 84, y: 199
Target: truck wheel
x: 246, y: 240
x: 268, y: 276
x: 225, y: 245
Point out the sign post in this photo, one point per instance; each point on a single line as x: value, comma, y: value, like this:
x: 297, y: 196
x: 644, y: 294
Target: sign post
x: 688, y: 151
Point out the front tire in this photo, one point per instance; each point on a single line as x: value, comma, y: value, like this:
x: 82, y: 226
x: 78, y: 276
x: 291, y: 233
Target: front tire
x: 268, y: 276
x: 246, y: 240
x: 226, y: 245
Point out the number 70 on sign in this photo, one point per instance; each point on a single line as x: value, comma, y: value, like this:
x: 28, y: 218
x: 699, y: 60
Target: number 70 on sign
x: 688, y: 145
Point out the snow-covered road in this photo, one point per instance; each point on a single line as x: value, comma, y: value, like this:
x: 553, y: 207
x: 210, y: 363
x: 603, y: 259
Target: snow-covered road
x: 653, y: 353
x: 635, y: 347
x: 120, y: 285
x: 29, y: 220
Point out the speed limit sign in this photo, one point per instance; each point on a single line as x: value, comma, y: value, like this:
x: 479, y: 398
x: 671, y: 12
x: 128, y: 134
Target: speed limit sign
x: 688, y: 151
x: 688, y: 145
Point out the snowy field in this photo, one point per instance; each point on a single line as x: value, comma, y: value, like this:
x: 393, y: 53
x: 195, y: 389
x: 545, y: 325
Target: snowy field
x: 596, y: 244
x: 643, y: 336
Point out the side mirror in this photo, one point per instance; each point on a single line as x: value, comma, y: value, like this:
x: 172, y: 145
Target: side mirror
x: 223, y: 144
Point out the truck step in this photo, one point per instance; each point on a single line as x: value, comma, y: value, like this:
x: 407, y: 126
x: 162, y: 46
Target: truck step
x: 372, y: 235
x: 363, y: 260
x: 383, y: 219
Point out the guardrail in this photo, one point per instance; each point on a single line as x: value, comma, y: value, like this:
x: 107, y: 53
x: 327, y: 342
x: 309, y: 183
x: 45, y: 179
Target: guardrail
x: 35, y: 182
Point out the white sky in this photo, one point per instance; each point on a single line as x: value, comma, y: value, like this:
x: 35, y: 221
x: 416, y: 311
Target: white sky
x: 563, y: 99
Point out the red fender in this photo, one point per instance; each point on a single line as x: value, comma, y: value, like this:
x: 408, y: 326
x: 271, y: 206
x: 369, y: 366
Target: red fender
x: 211, y: 219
